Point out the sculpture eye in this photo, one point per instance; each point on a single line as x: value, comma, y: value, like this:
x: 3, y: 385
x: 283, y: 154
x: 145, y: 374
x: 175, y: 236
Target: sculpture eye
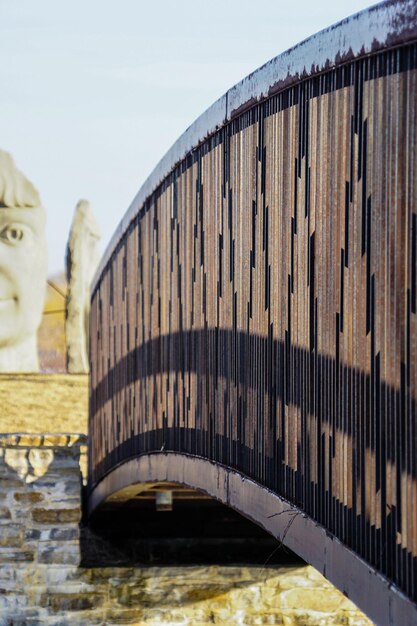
x: 12, y: 234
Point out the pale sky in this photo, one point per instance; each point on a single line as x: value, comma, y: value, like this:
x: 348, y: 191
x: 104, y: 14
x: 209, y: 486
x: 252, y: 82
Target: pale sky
x: 94, y: 92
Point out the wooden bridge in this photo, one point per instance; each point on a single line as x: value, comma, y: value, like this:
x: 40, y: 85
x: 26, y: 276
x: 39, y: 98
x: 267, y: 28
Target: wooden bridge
x: 254, y: 319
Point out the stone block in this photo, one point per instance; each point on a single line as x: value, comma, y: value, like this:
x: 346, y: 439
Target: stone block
x: 79, y: 618
x: 59, y: 534
x: 10, y: 483
x: 11, y: 535
x: 10, y: 586
x: 7, y: 573
x: 30, y: 440
x: 31, y: 497
x: 346, y: 604
x: 35, y: 592
x: 73, y: 487
x: 9, y: 439
x: 17, y: 618
x: 254, y: 619
x: 16, y: 459
x: 358, y: 620
x: 12, y: 602
x: 72, y: 587
x: 28, y: 577
x: 156, y: 616
x: 58, y: 440
x: 116, y: 615
x: 60, y: 574
x: 99, y: 574
x: 61, y: 502
x: 34, y: 617
x: 19, y: 515
x: 54, y: 489
x: 57, y: 477
x: 14, y: 555
x: 311, y: 599
x: 58, y: 602
x: 56, y: 516
x: 314, y: 618
x: 5, y: 513
x: 32, y: 534
x: 290, y: 581
x: 59, y: 465
x: 58, y: 553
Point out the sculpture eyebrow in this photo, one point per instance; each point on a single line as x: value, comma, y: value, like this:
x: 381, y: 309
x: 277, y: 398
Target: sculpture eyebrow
x: 20, y: 215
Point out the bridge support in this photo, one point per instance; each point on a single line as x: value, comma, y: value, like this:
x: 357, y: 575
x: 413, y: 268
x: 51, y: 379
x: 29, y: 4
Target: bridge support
x: 382, y: 601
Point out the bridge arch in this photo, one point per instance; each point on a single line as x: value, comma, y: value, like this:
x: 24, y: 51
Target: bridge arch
x: 285, y: 521
x: 254, y: 319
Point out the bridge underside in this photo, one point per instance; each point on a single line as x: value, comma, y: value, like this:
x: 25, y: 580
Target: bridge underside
x: 290, y: 525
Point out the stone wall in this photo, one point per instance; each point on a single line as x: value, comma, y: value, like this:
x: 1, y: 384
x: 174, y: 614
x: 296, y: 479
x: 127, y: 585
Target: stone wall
x: 42, y: 582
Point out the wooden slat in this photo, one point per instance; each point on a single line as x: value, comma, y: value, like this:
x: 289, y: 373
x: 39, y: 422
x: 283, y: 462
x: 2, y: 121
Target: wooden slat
x: 261, y: 310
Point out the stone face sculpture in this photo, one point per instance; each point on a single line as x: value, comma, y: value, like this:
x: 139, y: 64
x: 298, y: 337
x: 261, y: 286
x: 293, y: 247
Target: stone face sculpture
x: 82, y: 260
x: 23, y: 268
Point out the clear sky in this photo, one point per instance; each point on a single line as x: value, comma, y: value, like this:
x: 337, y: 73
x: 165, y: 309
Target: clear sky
x: 94, y: 92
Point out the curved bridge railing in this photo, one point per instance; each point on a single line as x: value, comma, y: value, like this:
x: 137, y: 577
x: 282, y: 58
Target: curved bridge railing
x: 254, y: 318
